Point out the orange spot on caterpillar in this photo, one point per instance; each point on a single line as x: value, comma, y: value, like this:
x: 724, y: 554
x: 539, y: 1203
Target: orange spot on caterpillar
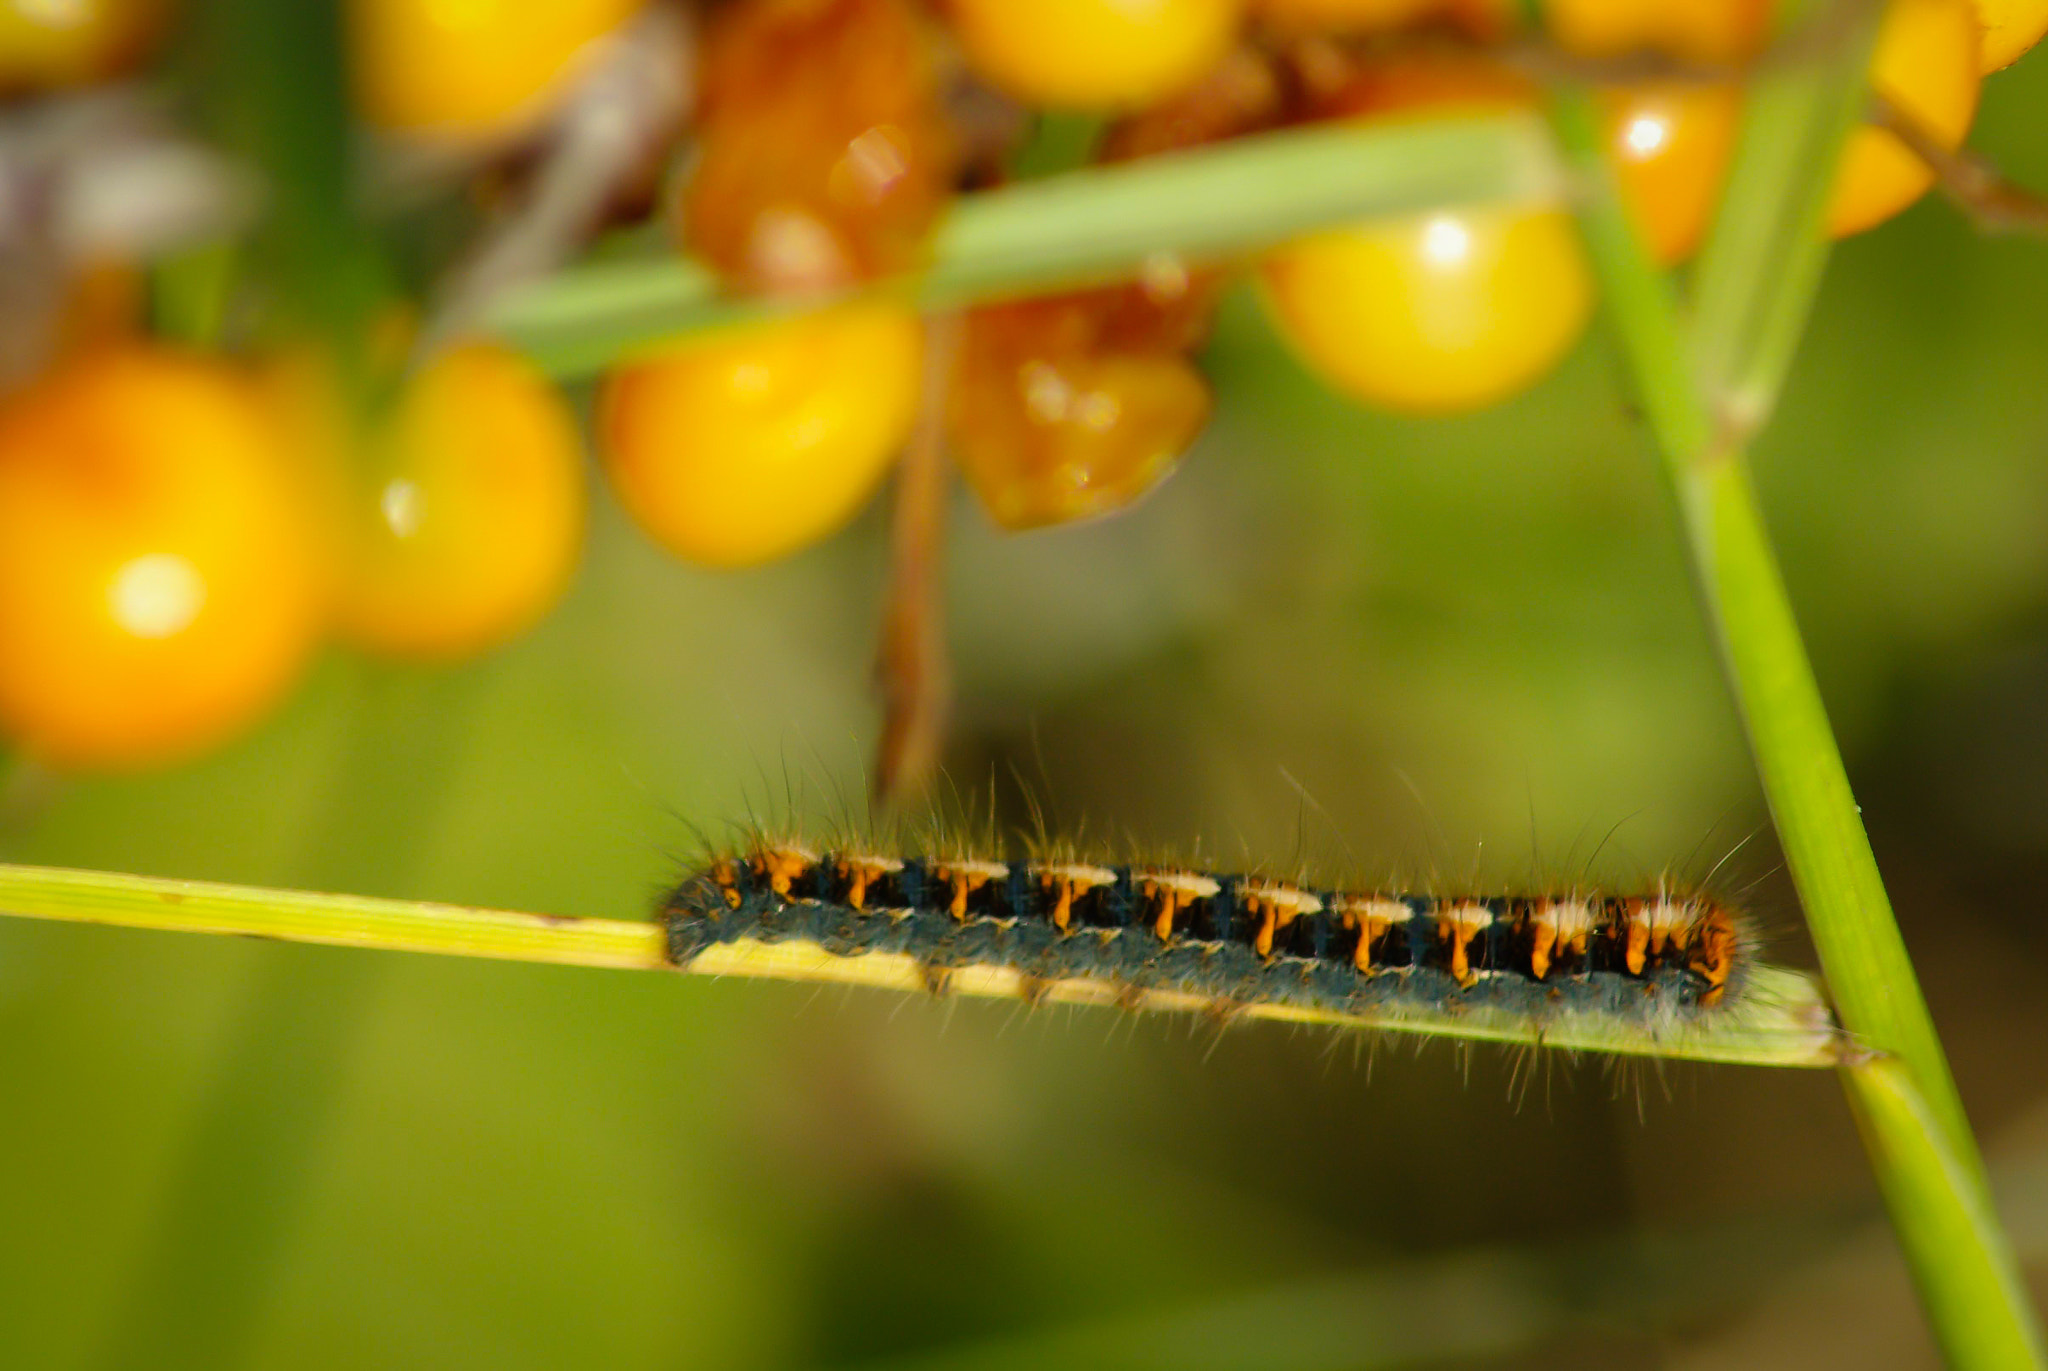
x: 1175, y: 891
x: 966, y: 877
x: 1668, y: 923
x: 1636, y: 926
x: 1560, y: 928
x: 726, y: 878
x: 861, y: 872
x: 1714, y: 944
x: 1459, y: 925
x: 1068, y: 882
x: 1372, y: 916
x: 1276, y: 907
x: 782, y: 866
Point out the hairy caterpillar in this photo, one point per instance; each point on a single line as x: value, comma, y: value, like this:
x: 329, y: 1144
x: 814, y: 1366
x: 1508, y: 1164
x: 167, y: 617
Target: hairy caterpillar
x: 1658, y: 973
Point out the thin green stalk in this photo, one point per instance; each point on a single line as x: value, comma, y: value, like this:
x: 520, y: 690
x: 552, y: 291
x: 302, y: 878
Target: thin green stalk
x: 1761, y: 265
x: 1977, y: 1303
x: 1818, y: 821
x: 1940, y: 1213
x: 304, y: 916
x: 1086, y: 226
x: 1801, y: 769
x: 1758, y: 275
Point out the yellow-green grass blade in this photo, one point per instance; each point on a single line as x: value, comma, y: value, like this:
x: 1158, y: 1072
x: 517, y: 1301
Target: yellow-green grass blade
x: 1779, y: 1019
x: 1092, y: 225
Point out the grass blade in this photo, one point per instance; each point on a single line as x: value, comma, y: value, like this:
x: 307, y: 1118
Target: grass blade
x: 1781, y: 1021
x: 1096, y: 224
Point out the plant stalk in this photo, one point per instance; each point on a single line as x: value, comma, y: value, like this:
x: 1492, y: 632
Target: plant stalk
x: 1927, y: 1162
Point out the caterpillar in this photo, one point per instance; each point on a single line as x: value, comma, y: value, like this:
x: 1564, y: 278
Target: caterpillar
x: 1659, y: 973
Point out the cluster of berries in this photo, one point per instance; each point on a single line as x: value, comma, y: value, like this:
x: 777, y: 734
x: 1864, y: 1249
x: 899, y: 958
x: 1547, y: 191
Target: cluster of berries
x: 180, y: 528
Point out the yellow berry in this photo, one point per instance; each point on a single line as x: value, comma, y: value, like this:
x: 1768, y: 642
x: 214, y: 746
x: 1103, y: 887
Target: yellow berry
x: 2010, y: 27
x: 748, y: 444
x: 1095, y: 53
x: 1671, y: 143
x: 1436, y: 312
x: 471, y: 68
x: 466, y: 510
x: 1440, y: 312
x: 1926, y: 64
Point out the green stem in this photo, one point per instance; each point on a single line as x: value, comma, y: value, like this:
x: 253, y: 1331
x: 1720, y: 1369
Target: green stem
x: 1761, y: 265
x: 1804, y: 780
x: 1818, y: 821
x: 1086, y: 226
x: 303, y: 916
x: 1976, y: 1301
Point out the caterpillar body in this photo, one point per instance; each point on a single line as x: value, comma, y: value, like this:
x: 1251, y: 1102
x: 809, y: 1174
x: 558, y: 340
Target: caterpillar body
x: 1662, y: 972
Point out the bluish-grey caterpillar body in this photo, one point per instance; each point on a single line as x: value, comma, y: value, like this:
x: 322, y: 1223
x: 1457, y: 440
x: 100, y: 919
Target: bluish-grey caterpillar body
x: 1660, y: 972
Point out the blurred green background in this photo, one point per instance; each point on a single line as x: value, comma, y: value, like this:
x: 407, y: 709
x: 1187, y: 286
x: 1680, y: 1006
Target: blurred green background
x: 1472, y: 644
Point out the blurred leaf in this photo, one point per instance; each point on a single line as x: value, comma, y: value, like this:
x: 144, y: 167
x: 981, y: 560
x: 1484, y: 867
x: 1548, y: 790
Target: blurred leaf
x: 268, y: 80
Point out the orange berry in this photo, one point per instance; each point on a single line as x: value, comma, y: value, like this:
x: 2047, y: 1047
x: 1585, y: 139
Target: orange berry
x: 160, y: 578
x: 1095, y: 54
x: 54, y: 43
x: 471, y: 68
x: 1670, y: 145
x: 1073, y: 406
x: 465, y: 508
x: 747, y: 444
x: 823, y: 155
